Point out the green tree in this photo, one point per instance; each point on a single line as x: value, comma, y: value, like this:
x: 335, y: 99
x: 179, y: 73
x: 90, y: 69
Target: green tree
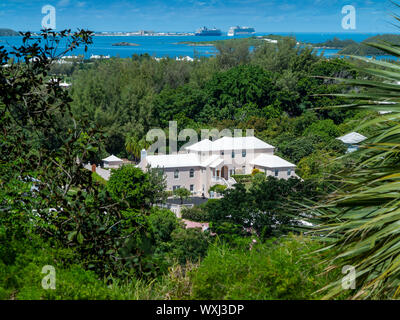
x: 182, y: 194
x: 45, y: 191
x: 231, y: 53
x: 134, y: 145
x: 239, y: 93
x: 265, y: 207
x: 133, y: 187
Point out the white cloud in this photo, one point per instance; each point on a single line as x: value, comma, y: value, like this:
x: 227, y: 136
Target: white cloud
x: 63, y: 3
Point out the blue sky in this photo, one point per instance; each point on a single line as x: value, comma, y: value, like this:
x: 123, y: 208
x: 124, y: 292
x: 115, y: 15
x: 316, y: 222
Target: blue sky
x: 187, y: 15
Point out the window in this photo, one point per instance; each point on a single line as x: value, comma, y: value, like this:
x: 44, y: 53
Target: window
x: 176, y: 174
x: 176, y: 188
x: 191, y: 173
x: 191, y: 187
x: 222, y: 153
x: 244, y: 170
x: 244, y: 153
x: 233, y: 154
x: 276, y: 172
x: 289, y: 172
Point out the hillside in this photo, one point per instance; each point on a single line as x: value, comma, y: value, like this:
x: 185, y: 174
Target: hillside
x: 335, y: 43
x: 7, y: 32
x: 365, y: 50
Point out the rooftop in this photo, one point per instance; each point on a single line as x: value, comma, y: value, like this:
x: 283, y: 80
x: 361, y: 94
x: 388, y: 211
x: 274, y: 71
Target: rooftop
x: 112, y: 158
x: 271, y: 161
x: 352, y: 138
x: 173, y: 160
x: 230, y: 143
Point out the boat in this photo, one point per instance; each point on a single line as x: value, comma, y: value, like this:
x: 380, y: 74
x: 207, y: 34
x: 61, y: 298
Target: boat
x: 208, y: 32
x: 234, y: 31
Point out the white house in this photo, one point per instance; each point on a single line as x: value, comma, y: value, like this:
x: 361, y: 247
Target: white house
x: 206, y: 163
x: 352, y: 141
x: 112, y: 162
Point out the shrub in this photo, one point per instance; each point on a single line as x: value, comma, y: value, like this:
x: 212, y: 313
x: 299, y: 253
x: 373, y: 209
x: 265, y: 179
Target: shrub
x: 195, y: 213
x: 274, y: 270
x: 134, y: 187
x: 188, y: 245
x: 218, y: 188
x: 242, y: 178
x: 182, y: 194
x: 162, y: 223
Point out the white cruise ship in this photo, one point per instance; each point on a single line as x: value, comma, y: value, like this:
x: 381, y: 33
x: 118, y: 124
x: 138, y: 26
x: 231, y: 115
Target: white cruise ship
x: 234, y: 31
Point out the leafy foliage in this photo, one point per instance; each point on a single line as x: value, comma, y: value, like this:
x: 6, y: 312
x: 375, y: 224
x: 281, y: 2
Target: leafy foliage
x: 261, y: 208
x: 265, y: 272
x: 135, y: 188
x: 360, y: 219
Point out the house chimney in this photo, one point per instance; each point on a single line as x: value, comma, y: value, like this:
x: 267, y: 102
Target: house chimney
x: 143, y: 155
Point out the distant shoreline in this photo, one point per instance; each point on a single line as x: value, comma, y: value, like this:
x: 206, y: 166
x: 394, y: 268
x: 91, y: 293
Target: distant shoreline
x: 125, y: 44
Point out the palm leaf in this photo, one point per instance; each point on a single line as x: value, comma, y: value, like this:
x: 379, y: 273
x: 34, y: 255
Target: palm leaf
x: 361, y: 220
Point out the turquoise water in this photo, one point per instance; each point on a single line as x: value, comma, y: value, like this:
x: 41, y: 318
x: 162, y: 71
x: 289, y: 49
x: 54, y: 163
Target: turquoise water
x: 162, y: 46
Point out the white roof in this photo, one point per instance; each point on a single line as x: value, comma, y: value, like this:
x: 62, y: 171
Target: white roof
x: 209, y: 160
x: 112, y: 158
x: 216, y: 163
x: 203, y: 145
x: 352, y: 138
x: 173, y: 161
x: 229, y: 143
x: 271, y: 161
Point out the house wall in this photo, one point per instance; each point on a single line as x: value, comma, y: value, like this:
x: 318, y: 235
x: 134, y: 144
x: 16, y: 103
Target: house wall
x: 184, y: 180
x: 282, y: 174
x: 112, y: 164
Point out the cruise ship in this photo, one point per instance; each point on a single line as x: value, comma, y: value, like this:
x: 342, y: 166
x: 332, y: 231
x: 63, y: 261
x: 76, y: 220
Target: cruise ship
x: 234, y: 31
x: 208, y: 32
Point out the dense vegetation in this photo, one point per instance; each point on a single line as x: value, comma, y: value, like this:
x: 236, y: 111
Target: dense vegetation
x: 266, y: 89
x: 361, y: 218
x: 107, y: 240
x: 335, y: 43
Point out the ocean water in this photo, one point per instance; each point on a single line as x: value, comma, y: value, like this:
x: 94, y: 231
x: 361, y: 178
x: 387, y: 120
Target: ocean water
x: 162, y: 46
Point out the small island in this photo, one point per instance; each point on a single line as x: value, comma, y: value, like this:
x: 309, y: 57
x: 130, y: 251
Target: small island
x: 363, y: 49
x: 8, y: 33
x: 125, y: 44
